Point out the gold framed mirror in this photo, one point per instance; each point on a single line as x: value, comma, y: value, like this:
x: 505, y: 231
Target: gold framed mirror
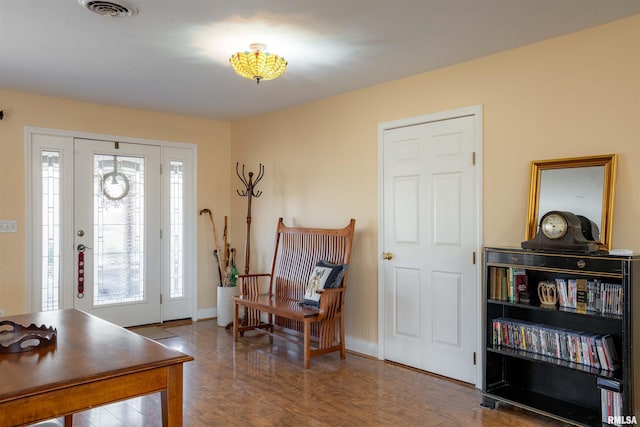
x: 582, y: 185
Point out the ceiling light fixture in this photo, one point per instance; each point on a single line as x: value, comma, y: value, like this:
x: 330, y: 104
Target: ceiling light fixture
x: 258, y: 64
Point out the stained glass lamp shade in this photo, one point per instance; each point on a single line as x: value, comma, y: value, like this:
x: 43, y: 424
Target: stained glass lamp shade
x: 257, y: 64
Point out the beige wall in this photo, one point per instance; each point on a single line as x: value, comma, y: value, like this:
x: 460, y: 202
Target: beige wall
x: 20, y: 109
x: 570, y: 96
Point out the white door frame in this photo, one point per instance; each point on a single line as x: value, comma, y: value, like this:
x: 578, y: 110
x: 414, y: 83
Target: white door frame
x: 190, y: 232
x: 476, y: 112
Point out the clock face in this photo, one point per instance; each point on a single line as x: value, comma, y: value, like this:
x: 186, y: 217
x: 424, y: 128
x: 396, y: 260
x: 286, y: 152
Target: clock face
x: 554, y: 226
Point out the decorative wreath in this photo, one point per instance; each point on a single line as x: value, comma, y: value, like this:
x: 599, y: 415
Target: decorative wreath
x: 108, y: 190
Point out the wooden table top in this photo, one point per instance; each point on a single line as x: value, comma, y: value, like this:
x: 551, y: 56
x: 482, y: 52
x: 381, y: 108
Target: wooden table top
x: 87, y: 349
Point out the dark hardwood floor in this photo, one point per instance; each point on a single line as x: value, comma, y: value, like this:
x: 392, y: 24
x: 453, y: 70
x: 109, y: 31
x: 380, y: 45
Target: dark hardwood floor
x: 255, y: 383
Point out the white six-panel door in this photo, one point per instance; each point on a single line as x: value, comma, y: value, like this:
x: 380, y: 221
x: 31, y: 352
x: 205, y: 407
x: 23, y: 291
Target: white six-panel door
x: 429, y: 237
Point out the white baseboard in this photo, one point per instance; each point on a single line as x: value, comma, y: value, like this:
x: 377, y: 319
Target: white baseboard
x: 207, y: 313
x: 357, y: 345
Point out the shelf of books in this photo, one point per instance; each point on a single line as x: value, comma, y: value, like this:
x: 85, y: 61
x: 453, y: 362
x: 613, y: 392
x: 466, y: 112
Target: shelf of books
x: 586, y: 296
x: 592, y: 353
x: 565, y: 350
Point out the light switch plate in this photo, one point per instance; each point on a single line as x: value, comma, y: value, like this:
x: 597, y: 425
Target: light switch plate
x: 8, y: 226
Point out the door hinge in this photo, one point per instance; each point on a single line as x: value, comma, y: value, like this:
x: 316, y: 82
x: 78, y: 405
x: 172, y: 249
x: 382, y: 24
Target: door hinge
x: 160, y: 168
x: 474, y: 257
x: 161, y: 303
x: 474, y: 358
x: 473, y: 158
x: 161, y: 233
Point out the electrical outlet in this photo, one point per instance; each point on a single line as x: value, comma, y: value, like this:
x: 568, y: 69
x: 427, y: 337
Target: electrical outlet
x: 1, y: 312
x: 8, y: 226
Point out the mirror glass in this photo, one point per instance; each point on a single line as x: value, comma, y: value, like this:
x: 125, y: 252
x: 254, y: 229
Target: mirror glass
x: 584, y: 186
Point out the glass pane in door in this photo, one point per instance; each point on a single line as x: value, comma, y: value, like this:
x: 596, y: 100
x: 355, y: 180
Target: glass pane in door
x: 50, y: 259
x: 118, y: 229
x: 176, y: 180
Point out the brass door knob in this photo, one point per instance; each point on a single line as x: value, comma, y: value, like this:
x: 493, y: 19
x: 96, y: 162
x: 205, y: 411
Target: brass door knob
x: 387, y: 255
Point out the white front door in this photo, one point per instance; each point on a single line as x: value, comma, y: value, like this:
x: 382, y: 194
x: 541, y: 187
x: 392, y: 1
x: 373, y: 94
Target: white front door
x: 117, y: 231
x: 131, y: 206
x: 429, y: 235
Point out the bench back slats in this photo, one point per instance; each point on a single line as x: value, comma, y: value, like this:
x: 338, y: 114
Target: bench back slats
x: 297, y: 250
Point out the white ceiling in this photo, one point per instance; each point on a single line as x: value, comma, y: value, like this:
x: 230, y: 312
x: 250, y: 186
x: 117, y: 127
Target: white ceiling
x: 173, y: 55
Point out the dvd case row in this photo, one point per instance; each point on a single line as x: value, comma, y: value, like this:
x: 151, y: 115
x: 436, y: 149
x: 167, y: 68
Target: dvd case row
x: 591, y: 295
x: 611, y: 401
x: 597, y: 351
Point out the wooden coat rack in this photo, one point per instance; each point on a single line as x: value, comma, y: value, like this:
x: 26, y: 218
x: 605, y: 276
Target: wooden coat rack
x: 249, y: 192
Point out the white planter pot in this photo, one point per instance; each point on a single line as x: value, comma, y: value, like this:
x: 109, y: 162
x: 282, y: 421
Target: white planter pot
x: 225, y: 304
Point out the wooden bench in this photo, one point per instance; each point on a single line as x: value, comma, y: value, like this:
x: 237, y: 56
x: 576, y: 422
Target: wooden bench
x: 297, y: 250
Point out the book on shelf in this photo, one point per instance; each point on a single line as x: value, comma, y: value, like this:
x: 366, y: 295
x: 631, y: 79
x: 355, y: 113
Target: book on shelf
x: 609, y: 384
x: 521, y: 282
x: 592, y: 342
x: 612, y: 298
x: 601, y: 356
x: 593, y: 296
x: 498, y: 283
x: 506, y: 283
x: 493, y: 272
x: 571, y: 293
x: 611, y: 402
x: 610, y: 399
x: 511, y: 290
x: 561, y: 289
x: 610, y: 353
x: 581, y: 295
x: 596, y: 351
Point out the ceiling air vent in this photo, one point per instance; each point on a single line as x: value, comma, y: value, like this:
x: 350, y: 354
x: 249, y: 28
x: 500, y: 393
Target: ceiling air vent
x: 110, y: 9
